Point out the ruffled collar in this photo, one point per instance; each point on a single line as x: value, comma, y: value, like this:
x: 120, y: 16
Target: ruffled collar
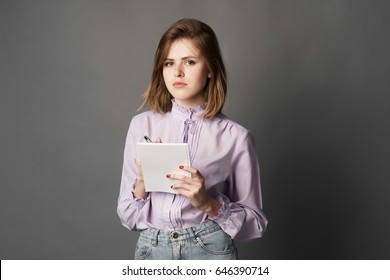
x: 187, y: 112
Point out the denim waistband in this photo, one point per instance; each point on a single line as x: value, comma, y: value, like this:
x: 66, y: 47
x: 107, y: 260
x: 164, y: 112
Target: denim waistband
x: 156, y: 235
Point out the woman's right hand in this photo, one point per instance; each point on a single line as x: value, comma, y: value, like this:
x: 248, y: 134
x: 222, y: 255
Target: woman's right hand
x: 139, y: 189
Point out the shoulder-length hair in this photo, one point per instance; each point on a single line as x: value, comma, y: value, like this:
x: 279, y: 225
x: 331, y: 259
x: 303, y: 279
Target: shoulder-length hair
x: 204, y: 39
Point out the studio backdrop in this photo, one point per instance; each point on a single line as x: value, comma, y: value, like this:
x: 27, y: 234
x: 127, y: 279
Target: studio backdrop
x: 310, y: 79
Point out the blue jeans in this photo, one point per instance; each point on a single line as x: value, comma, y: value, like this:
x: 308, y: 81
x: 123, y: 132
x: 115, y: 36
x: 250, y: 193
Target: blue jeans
x: 206, y: 241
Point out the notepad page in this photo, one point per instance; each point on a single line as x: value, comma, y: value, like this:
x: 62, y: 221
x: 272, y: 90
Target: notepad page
x: 159, y: 159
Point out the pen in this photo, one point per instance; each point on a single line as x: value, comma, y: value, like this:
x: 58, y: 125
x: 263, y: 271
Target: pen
x: 147, y: 139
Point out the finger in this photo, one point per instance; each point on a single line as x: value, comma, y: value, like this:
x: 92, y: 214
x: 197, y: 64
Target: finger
x: 195, y: 172
x: 180, y: 177
x: 183, y: 190
x: 158, y: 140
x: 138, y: 163
x: 182, y: 186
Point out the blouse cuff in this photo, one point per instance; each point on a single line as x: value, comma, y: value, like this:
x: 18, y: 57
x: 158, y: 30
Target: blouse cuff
x: 223, y: 212
x: 139, y: 202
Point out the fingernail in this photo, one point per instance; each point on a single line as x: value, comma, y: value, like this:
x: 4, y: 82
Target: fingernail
x: 181, y: 166
x: 168, y: 176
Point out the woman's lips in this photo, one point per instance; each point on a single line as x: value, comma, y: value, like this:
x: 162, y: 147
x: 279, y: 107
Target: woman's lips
x: 179, y: 85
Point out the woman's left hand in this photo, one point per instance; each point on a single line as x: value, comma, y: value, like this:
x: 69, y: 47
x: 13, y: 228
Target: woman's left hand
x: 194, y: 189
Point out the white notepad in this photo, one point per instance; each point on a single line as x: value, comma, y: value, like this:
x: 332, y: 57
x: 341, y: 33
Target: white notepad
x: 159, y: 159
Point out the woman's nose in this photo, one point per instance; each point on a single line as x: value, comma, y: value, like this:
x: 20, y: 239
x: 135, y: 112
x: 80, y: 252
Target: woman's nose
x: 179, y: 72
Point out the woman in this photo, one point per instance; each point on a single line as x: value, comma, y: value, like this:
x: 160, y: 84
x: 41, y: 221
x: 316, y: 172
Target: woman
x: 222, y: 200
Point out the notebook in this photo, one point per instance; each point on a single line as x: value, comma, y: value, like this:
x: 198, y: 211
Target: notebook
x: 159, y: 159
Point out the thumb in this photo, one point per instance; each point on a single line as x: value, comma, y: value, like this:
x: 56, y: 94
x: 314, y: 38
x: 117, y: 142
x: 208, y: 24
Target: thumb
x: 158, y: 140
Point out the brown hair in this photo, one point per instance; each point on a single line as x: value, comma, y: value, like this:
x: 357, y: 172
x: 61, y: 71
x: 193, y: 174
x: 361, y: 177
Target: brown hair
x: 205, y: 40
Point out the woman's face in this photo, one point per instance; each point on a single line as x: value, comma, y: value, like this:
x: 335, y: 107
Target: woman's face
x: 185, y: 73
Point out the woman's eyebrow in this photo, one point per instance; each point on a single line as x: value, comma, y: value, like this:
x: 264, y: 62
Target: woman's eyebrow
x: 183, y: 58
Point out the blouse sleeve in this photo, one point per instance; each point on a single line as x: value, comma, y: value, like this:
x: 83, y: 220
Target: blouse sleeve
x: 241, y: 215
x: 129, y: 208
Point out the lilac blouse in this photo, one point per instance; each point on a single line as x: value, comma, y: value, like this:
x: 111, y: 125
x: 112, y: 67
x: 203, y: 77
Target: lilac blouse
x: 223, y: 152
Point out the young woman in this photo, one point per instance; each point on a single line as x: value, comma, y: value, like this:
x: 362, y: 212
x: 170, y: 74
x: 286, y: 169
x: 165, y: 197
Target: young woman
x: 222, y: 200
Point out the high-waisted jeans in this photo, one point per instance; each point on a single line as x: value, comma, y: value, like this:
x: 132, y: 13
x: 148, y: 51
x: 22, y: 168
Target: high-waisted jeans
x: 206, y: 241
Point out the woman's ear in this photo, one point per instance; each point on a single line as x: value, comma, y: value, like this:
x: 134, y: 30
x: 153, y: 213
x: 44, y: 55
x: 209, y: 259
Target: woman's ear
x: 209, y: 75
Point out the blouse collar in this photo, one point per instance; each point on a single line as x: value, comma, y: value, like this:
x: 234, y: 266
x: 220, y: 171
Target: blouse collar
x: 187, y: 112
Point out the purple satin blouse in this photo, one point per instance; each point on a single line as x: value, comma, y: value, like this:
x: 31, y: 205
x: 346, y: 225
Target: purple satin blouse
x: 223, y: 152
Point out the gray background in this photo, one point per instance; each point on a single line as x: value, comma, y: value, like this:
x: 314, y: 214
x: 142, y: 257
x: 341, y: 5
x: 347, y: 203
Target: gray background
x: 309, y: 78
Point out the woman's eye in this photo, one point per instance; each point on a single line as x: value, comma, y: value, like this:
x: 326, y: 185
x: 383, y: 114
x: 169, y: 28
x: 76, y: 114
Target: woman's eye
x: 190, y: 62
x: 168, y: 63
